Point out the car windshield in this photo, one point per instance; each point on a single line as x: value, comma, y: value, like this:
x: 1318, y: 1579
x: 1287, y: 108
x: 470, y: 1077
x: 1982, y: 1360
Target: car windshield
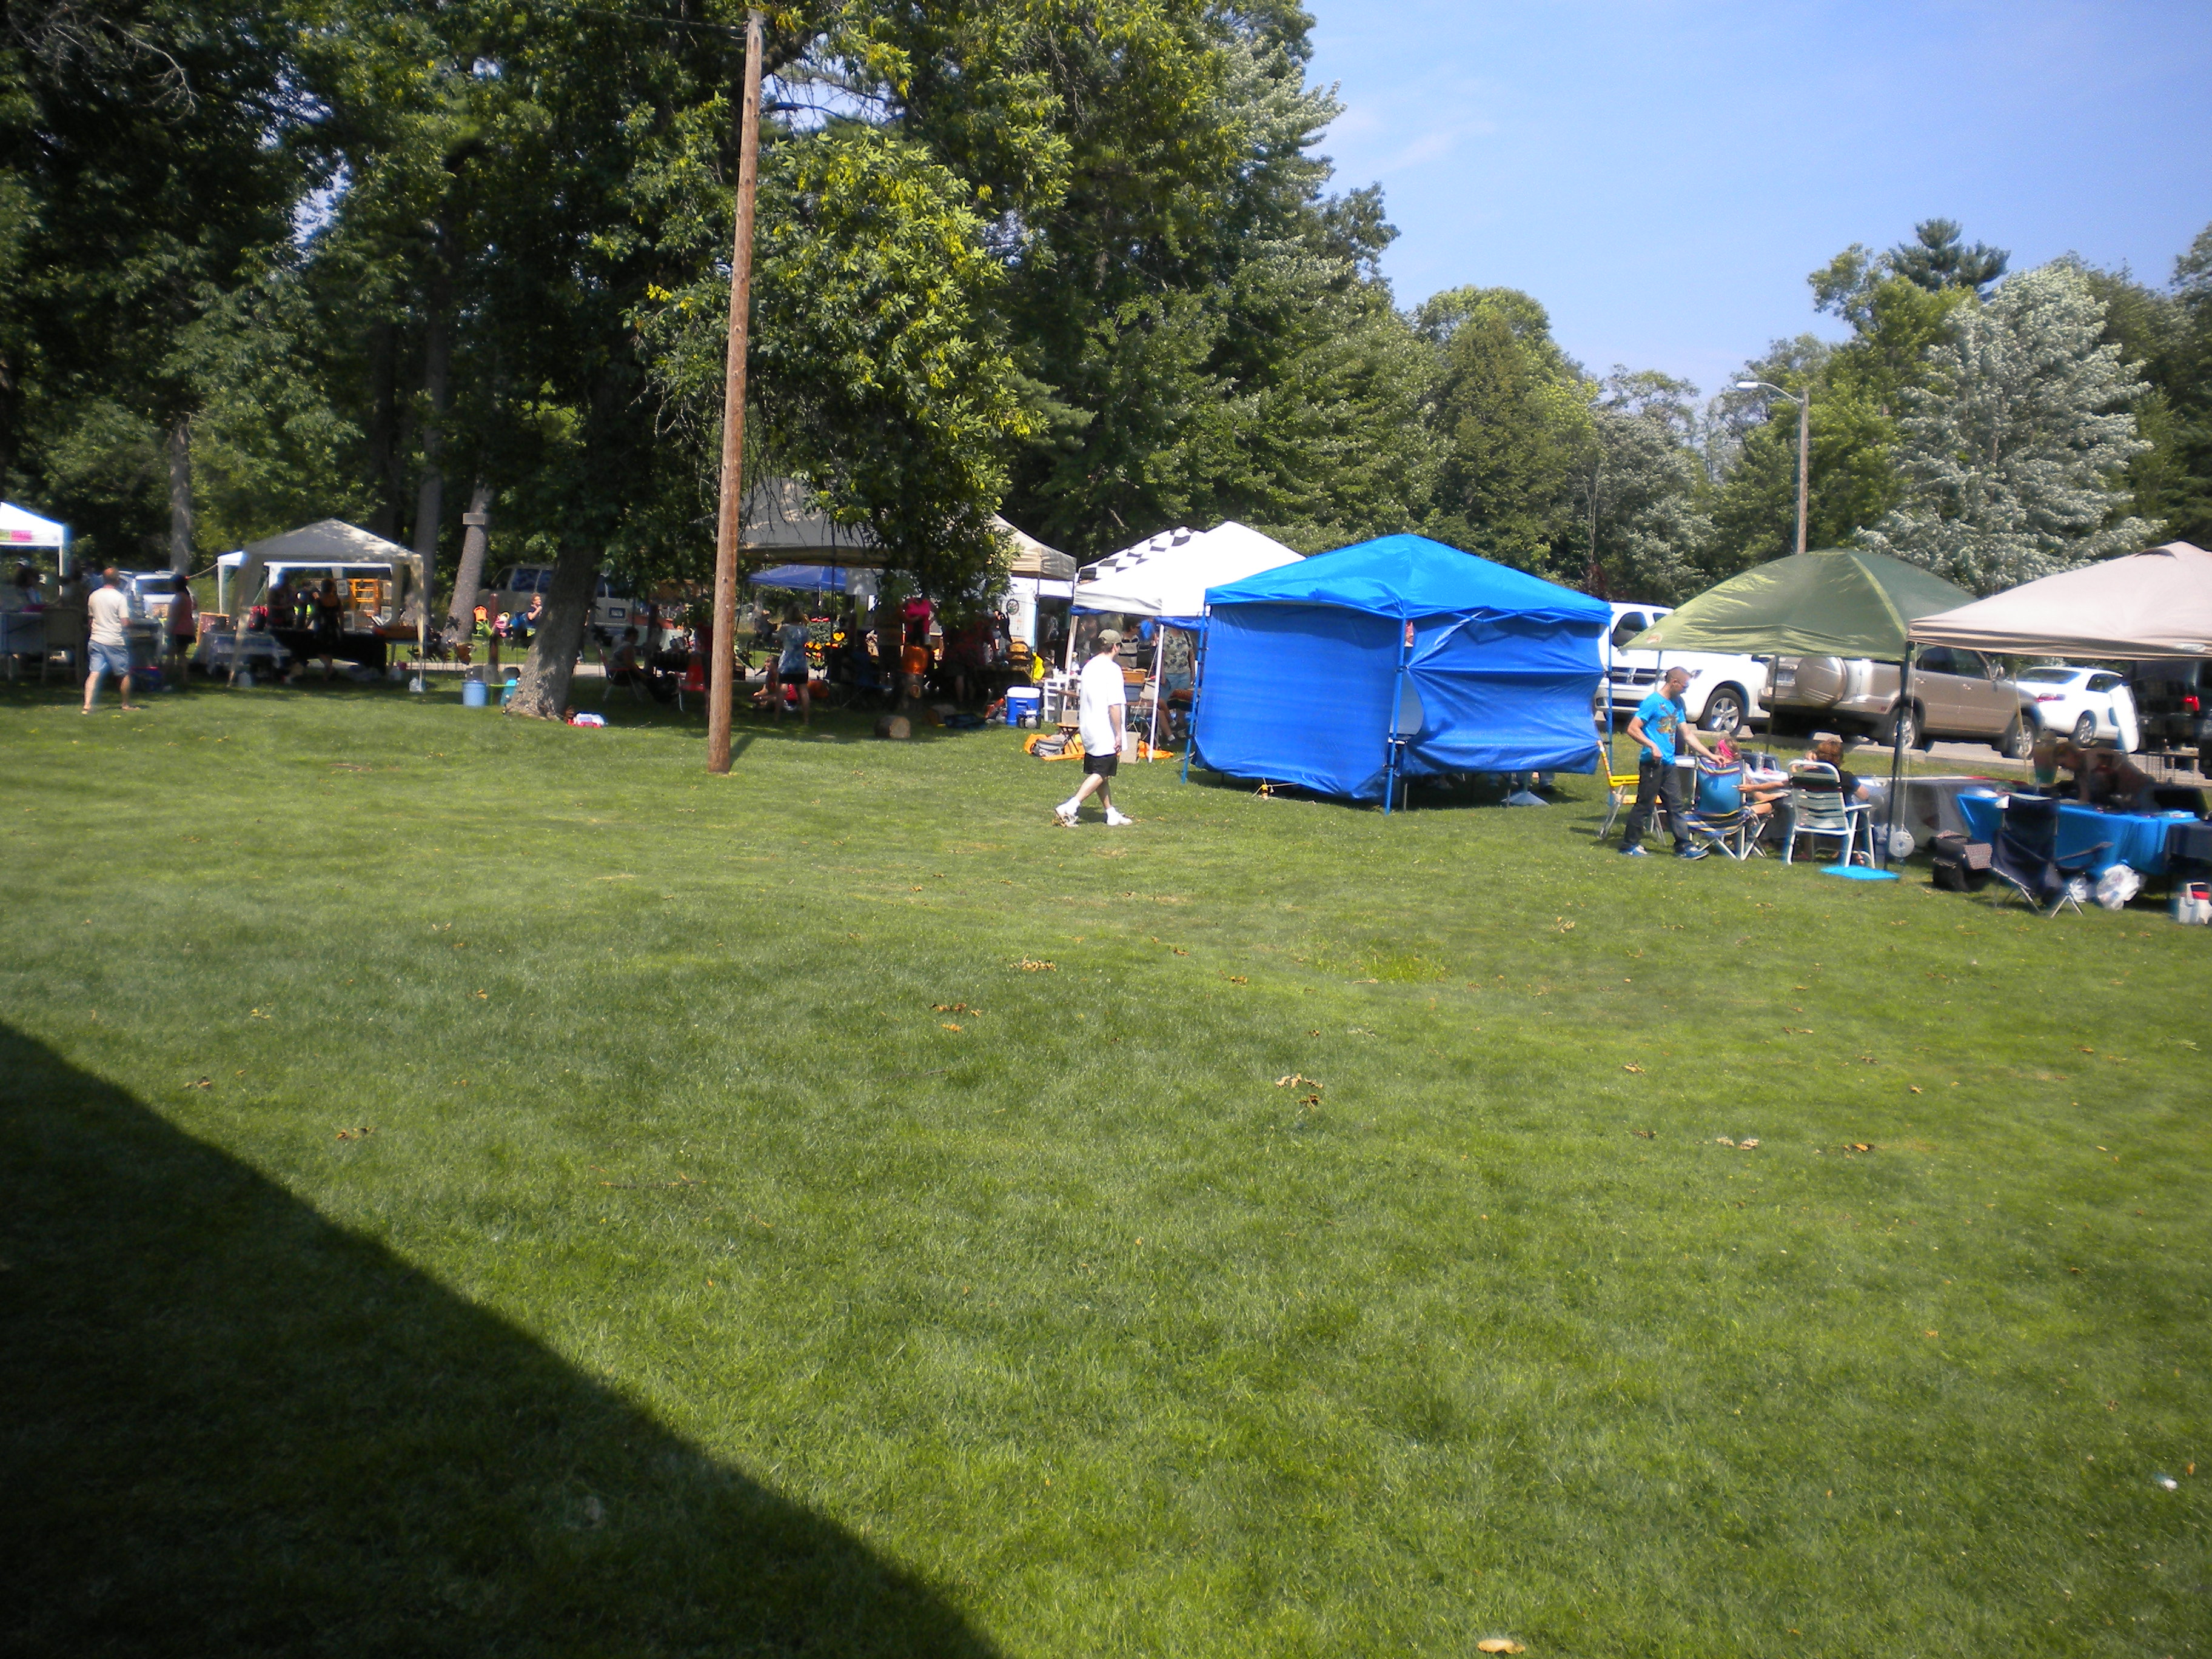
x: 2047, y: 675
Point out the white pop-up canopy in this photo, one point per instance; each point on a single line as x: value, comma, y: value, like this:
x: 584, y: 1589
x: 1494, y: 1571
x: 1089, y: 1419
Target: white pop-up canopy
x: 327, y: 545
x: 1166, y: 577
x: 20, y: 529
x: 2148, y: 605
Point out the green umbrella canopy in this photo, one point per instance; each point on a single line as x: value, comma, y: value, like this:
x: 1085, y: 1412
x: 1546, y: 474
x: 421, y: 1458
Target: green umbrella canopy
x: 1835, y: 603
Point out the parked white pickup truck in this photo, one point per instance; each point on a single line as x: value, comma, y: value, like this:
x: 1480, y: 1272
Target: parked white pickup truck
x: 1722, y: 695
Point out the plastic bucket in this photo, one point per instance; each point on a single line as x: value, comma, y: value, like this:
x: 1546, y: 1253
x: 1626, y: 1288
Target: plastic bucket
x: 472, y: 694
x: 1025, y: 704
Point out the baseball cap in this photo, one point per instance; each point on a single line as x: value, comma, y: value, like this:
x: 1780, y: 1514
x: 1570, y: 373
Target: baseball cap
x: 1110, y: 636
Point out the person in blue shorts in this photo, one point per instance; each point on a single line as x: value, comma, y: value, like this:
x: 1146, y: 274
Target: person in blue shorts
x: 1659, y: 722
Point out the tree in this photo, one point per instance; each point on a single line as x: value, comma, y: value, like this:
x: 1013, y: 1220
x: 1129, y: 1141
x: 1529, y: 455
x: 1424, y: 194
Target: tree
x: 1899, y: 304
x: 149, y: 157
x: 2011, y: 454
x: 1639, y: 485
x: 1511, y: 415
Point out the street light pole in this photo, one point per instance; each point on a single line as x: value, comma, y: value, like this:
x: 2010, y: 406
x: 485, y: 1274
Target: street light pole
x: 722, y: 670
x: 1804, y: 446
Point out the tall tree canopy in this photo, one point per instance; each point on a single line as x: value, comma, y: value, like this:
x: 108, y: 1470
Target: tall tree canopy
x: 2011, y: 455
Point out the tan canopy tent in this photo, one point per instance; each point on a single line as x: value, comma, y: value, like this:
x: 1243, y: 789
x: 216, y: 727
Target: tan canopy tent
x: 327, y: 542
x: 783, y: 524
x: 2148, y: 605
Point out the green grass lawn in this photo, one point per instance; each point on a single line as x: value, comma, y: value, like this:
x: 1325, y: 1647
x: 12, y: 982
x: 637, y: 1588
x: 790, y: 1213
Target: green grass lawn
x: 471, y: 1187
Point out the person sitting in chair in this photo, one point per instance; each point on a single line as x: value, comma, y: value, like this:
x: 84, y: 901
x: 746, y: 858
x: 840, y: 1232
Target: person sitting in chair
x: 2109, y: 778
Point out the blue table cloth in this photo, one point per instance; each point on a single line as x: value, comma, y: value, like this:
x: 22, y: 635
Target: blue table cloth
x: 2138, y: 839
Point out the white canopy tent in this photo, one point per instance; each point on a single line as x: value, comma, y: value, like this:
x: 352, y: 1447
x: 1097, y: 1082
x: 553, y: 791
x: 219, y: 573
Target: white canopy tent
x: 1165, y: 578
x: 22, y: 530
x: 2139, y: 607
x: 329, y: 545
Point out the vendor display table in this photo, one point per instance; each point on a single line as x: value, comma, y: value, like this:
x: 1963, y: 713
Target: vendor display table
x: 367, y: 649
x: 1931, y: 805
x: 2137, y: 840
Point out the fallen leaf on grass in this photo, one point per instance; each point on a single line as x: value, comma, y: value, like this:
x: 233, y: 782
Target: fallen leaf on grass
x: 1745, y: 1145
x: 1178, y: 949
x: 1498, y: 1644
x: 1645, y: 1134
x: 1632, y: 1066
x: 1030, y: 965
x: 1927, y: 1332
x: 1796, y: 1030
x: 1723, y: 1140
x: 1285, y: 1082
x: 1237, y: 978
x: 257, y: 1014
x: 362, y: 1134
x: 204, y: 1083
x: 1858, y: 1146
x: 950, y: 1027
x: 1914, y: 1087
x: 956, y: 1008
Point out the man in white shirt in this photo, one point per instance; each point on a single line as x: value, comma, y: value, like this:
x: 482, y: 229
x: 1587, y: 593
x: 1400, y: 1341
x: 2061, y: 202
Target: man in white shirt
x: 108, y: 648
x: 1102, y: 707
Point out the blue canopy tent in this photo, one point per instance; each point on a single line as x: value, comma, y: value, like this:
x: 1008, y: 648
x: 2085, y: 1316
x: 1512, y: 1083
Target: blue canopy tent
x: 803, y: 578
x: 1398, y: 658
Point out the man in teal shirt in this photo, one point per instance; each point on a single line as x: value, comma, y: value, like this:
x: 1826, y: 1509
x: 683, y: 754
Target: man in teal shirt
x: 1660, y: 718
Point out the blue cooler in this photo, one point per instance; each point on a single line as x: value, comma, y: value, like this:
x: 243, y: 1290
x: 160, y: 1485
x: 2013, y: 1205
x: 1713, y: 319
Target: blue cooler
x: 1025, y: 705
x: 473, y: 694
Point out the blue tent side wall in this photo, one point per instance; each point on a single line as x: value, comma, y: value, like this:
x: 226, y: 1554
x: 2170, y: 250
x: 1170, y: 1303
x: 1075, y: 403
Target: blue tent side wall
x: 1298, y: 694
x: 1504, y: 695
x: 1301, y: 693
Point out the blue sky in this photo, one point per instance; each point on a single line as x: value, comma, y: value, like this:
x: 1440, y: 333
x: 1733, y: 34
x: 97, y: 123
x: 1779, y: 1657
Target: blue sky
x: 1661, y: 175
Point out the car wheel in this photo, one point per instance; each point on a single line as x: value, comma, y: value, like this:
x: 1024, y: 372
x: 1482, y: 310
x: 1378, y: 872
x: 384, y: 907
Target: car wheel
x: 1724, y: 711
x: 1904, y: 728
x: 2019, y: 740
x: 2085, y: 729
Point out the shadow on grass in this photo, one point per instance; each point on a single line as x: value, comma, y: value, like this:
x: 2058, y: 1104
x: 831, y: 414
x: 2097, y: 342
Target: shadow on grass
x: 231, y: 1426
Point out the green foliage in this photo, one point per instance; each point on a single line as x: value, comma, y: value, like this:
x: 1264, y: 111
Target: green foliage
x: 145, y: 163
x: 2011, y: 453
x: 2167, y: 337
x: 1512, y: 420
x: 1899, y: 305
x: 1640, y: 484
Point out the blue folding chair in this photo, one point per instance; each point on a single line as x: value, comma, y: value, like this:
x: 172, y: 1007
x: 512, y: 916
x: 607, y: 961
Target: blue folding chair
x: 1718, y: 818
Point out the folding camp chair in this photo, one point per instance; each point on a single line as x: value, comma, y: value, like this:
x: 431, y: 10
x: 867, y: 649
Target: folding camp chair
x: 694, y: 683
x: 2024, y: 856
x: 1818, y: 808
x: 1718, y: 818
x: 1619, y: 791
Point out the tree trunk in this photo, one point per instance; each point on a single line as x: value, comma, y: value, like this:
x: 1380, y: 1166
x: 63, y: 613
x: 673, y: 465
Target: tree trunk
x: 180, y: 496
x: 544, y: 693
x: 470, y: 577
x: 383, y: 423
x: 437, y: 362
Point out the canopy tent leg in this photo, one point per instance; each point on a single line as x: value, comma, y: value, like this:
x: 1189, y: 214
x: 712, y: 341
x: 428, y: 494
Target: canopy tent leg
x: 1897, y: 753
x: 1197, y: 683
x: 1159, y: 655
x: 1397, y: 699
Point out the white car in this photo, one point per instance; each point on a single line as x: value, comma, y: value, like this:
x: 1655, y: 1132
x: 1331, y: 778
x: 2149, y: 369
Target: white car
x: 1722, y: 695
x: 2088, y: 704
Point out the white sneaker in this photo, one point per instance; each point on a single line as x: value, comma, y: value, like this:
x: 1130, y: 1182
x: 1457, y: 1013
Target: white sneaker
x: 1115, y: 820
x: 1065, y: 812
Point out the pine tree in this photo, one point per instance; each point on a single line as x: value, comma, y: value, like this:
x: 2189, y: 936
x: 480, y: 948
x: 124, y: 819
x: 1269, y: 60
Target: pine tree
x: 2011, y: 456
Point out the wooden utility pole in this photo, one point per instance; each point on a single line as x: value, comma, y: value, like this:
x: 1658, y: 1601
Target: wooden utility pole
x: 722, y: 670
